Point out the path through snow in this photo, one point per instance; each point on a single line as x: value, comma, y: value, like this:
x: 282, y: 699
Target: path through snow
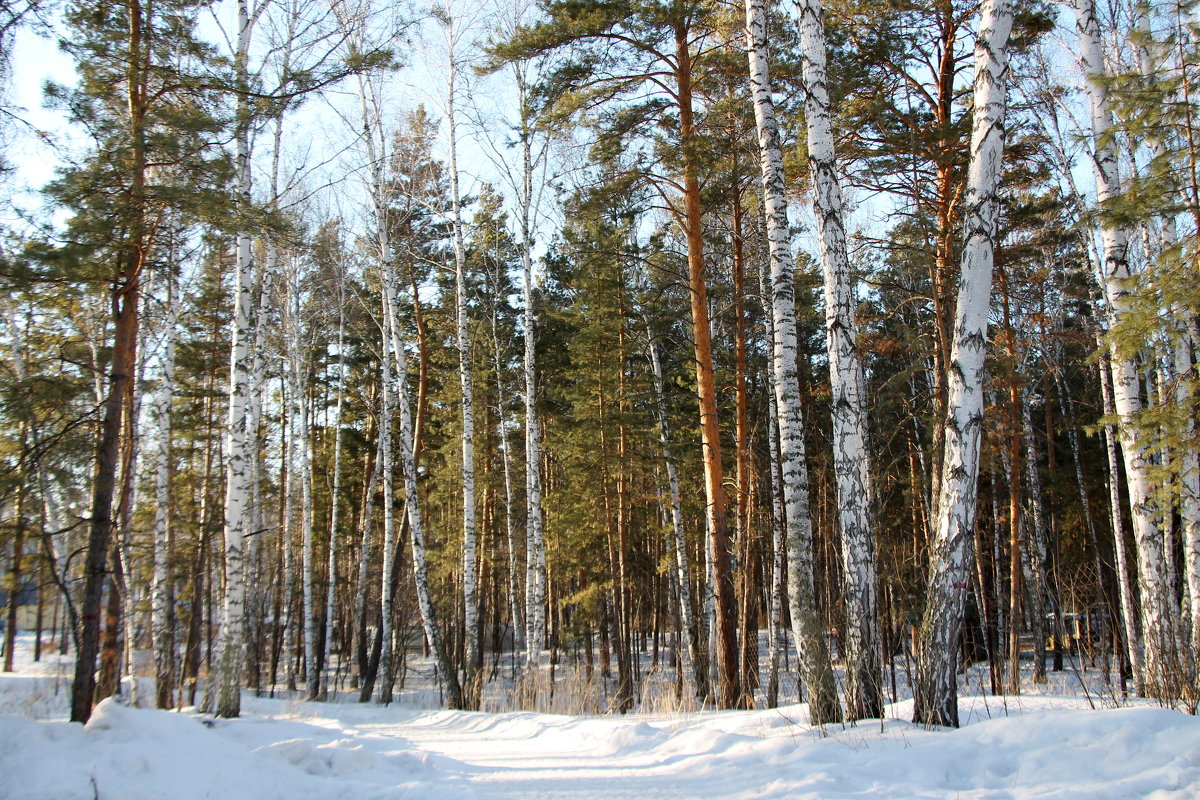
x: 1031, y: 747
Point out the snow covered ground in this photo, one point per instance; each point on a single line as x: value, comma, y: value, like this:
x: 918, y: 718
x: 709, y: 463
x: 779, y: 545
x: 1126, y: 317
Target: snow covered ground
x: 1041, y: 746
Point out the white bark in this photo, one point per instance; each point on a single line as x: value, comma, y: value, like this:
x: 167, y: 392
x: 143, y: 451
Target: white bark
x: 815, y: 667
x: 775, y: 639
x: 230, y: 653
x: 1189, y: 487
x: 386, y: 413
x: 404, y: 445
x: 335, y: 500
x: 259, y: 590
x: 364, y: 560
x: 1129, y: 623
x: 936, y: 687
x: 535, y: 548
x: 864, y: 675
x: 374, y: 142
x: 518, y: 626
x: 1183, y: 362
x: 299, y: 468
x: 1156, y: 612
x: 473, y: 657
x: 162, y: 593
x: 691, y: 657
x: 1036, y: 553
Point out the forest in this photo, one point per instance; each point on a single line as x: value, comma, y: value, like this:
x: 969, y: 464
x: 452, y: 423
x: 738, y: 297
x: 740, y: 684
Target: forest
x: 615, y: 345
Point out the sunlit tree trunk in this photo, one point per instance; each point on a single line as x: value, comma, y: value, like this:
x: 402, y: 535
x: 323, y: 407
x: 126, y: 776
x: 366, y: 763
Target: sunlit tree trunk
x: 1129, y: 622
x: 693, y: 660
x: 1156, y: 612
x: 387, y: 590
x: 473, y: 657
x: 123, y: 360
x: 775, y: 640
x: 230, y: 654
x: 163, y: 592
x: 864, y: 673
x: 408, y: 465
x: 506, y: 467
x: 535, y: 548
x: 335, y: 499
x: 1036, y: 551
x: 298, y: 465
x: 706, y: 386
x: 1183, y: 361
x: 935, y: 688
x: 815, y: 668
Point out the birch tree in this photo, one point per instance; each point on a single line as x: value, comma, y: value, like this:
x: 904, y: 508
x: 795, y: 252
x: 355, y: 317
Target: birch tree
x: 454, y: 32
x: 1156, y: 615
x: 336, y: 496
x: 692, y: 658
x: 935, y: 690
x: 231, y: 645
x: 532, y: 144
x: 163, y: 595
x: 815, y: 667
x: 374, y: 142
x: 850, y: 458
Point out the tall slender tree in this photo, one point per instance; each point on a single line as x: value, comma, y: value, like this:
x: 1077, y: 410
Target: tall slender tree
x: 935, y: 689
x: 812, y: 648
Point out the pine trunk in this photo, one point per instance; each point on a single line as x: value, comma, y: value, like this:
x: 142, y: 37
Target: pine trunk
x: 125, y: 299
x: 706, y: 389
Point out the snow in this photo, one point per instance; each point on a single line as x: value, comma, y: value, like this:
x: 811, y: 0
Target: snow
x: 1043, y: 746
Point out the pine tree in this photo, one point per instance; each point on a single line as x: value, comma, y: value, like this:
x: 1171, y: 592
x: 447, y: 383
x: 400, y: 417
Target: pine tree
x: 143, y: 107
x: 647, y: 40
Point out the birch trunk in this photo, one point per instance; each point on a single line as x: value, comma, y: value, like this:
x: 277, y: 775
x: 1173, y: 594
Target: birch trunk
x: 1189, y: 489
x: 815, y: 668
x: 936, y: 687
x: 473, y: 657
x: 535, y: 550
x: 230, y: 654
x: 1129, y: 622
x: 1183, y: 358
x: 359, y: 647
x: 163, y: 593
x: 693, y: 659
x: 1159, y: 658
x: 386, y: 414
x: 447, y: 673
x: 518, y: 626
x: 298, y: 374
x: 775, y: 641
x: 1037, y: 554
x: 335, y: 500
x: 256, y: 551
x: 374, y: 142
x: 864, y: 672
